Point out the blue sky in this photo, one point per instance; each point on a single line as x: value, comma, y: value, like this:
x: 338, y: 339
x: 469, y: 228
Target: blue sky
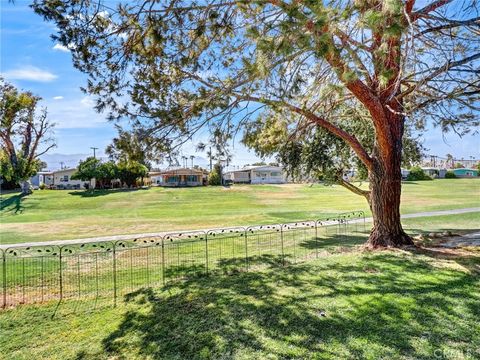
x: 32, y: 61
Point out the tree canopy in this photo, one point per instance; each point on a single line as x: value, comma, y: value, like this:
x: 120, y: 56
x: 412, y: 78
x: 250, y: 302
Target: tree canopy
x: 176, y: 66
x: 137, y: 145
x: 128, y: 172
x: 25, y: 135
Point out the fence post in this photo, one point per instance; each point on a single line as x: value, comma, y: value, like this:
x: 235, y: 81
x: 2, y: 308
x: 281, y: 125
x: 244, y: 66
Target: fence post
x: 316, y: 240
x: 60, y: 278
x: 114, y: 263
x: 148, y: 266
x: 23, y: 280
x: 163, y: 262
x: 4, y: 277
x: 246, y: 249
x: 206, y: 253
x: 364, y: 225
x: 281, y: 241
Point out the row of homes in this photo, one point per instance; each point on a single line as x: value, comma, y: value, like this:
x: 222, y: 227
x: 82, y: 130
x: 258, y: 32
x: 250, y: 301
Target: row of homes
x: 440, y: 173
x: 174, y: 177
x: 184, y: 177
x: 198, y: 177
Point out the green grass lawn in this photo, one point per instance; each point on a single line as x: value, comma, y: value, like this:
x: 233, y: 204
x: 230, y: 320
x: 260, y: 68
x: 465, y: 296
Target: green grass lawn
x: 54, y: 215
x: 390, y: 305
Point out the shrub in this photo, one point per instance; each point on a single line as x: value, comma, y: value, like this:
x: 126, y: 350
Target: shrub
x: 417, y: 174
x: 42, y: 186
x: 450, y: 175
x: 215, y: 177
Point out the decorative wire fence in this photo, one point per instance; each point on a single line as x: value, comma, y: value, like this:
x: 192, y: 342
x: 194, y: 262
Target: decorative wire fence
x: 110, y: 269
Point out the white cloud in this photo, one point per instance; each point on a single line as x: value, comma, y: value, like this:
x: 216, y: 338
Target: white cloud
x: 30, y: 73
x: 88, y: 101
x: 74, y: 113
x: 57, y: 97
x: 60, y: 47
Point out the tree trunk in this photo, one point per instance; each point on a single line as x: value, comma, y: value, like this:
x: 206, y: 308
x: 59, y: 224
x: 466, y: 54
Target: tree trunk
x: 385, y: 190
x: 26, y: 187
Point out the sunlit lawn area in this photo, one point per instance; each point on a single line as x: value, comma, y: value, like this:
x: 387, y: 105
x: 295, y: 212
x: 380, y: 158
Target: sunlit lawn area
x: 388, y: 304
x: 53, y: 215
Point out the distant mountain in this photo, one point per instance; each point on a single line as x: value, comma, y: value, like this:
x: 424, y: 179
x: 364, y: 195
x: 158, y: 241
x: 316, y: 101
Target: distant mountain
x: 58, y: 161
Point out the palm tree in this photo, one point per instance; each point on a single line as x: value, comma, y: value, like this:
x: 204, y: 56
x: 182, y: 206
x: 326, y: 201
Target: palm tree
x: 450, y: 160
x: 191, y: 158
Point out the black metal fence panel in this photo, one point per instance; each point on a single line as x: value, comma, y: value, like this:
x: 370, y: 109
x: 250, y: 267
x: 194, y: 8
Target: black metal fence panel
x: 111, y: 269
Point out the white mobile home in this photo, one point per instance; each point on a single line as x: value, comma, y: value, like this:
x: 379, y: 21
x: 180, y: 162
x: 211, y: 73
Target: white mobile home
x: 59, y: 179
x: 256, y: 175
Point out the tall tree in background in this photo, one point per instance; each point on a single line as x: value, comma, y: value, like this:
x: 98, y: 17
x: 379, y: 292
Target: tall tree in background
x: 174, y: 66
x: 136, y: 145
x: 217, y: 148
x: 24, y: 134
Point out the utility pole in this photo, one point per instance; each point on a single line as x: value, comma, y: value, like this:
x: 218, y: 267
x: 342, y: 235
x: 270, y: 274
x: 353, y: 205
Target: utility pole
x: 61, y: 165
x: 94, y: 148
x: 210, y: 155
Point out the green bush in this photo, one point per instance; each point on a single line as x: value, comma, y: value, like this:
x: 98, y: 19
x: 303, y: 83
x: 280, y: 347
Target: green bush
x: 42, y: 186
x: 417, y: 174
x: 450, y: 175
x: 215, y: 177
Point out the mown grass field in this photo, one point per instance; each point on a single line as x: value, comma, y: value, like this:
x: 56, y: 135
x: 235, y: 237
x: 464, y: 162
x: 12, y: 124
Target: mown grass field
x: 54, y: 215
x: 348, y: 303
x: 421, y: 304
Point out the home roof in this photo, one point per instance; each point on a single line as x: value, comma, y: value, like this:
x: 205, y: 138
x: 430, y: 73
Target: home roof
x: 266, y: 168
x: 180, y: 171
x: 63, y: 170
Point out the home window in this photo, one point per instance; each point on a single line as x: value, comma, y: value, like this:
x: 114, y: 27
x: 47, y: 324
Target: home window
x: 275, y: 173
x: 173, y: 179
x: 191, y: 178
x: 64, y: 178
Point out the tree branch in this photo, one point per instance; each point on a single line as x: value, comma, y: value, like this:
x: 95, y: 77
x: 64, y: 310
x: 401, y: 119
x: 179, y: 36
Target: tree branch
x: 348, y: 138
x: 423, y: 12
x: 354, y: 189
x: 437, y: 71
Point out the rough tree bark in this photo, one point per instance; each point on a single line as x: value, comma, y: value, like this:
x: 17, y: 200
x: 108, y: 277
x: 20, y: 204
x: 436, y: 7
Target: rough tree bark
x: 26, y: 187
x: 385, y: 191
x: 385, y: 177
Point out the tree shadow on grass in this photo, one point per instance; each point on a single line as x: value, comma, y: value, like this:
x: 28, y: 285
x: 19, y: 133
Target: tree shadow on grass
x: 387, y: 305
x: 103, y: 192
x: 13, y: 204
x: 335, y: 242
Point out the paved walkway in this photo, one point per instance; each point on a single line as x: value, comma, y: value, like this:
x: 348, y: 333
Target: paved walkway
x: 472, y: 239
x: 157, y: 234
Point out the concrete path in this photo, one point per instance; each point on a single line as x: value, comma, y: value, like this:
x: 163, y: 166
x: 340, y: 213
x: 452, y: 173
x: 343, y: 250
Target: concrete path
x: 157, y: 234
x: 472, y: 239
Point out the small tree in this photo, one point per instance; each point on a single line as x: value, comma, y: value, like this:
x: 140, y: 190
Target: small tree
x: 450, y: 175
x: 87, y: 170
x: 23, y: 132
x: 215, y: 176
x: 106, y: 173
x: 130, y: 171
x: 417, y: 174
